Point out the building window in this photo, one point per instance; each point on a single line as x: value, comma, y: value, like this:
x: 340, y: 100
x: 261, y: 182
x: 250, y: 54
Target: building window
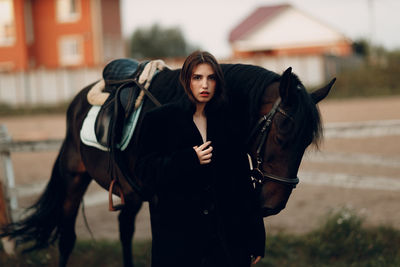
x: 68, y: 10
x: 70, y: 50
x: 7, y: 24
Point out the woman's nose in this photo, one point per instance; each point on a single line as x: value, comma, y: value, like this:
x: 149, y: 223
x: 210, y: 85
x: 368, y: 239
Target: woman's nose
x: 205, y: 83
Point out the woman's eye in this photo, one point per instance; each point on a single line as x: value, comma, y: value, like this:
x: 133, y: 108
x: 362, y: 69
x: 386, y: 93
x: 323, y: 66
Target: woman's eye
x: 196, y: 77
x: 212, y: 77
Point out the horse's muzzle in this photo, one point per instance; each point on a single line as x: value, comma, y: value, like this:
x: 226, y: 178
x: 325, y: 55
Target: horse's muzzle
x: 267, y: 211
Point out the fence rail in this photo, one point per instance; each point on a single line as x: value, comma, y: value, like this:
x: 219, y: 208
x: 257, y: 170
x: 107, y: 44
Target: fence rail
x: 30, y: 146
x: 362, y: 129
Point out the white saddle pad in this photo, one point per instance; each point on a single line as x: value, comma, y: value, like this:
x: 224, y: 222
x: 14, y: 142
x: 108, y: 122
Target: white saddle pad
x: 88, y: 135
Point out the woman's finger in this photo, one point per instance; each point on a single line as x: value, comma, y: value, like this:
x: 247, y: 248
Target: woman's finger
x: 208, y: 150
x: 202, y: 162
x: 204, y: 145
x: 207, y: 156
x: 204, y: 152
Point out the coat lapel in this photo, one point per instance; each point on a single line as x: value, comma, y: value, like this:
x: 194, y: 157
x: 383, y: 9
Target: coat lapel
x: 190, y: 133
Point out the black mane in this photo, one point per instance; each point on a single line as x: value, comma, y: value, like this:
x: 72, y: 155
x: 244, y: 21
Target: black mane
x: 245, y: 86
x: 307, y: 111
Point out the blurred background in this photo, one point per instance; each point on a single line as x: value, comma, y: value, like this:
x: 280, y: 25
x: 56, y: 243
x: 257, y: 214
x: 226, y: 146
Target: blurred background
x: 63, y: 44
x: 51, y: 49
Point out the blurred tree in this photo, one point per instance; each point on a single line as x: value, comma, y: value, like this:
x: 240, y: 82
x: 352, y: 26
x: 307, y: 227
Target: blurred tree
x: 378, y: 75
x: 158, y: 42
x: 361, y: 47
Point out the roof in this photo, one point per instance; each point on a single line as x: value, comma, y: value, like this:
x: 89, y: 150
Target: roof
x: 259, y: 16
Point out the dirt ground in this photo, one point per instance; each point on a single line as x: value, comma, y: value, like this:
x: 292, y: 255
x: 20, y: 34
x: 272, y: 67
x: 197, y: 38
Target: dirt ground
x: 307, y: 204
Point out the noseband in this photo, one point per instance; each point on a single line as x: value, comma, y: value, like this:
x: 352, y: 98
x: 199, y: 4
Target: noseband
x: 257, y: 175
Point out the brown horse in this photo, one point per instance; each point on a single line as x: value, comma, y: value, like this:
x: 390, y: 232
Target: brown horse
x: 277, y: 116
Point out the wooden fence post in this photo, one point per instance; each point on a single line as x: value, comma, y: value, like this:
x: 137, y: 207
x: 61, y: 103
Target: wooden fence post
x: 6, y: 203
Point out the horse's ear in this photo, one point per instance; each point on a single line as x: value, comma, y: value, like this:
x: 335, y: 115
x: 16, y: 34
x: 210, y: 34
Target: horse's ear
x: 320, y: 94
x: 285, y: 87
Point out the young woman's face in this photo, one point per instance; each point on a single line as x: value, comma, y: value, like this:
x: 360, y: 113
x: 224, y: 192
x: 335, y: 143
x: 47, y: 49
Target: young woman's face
x: 203, y: 83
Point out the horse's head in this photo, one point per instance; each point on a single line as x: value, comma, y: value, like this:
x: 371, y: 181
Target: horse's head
x: 289, y: 122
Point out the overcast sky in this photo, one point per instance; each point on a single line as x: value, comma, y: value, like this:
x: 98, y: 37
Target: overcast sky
x: 207, y: 23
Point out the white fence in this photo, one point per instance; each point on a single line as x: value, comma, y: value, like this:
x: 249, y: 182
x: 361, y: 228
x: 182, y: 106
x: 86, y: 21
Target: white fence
x: 44, y: 86
x: 47, y: 86
x: 313, y: 70
x: 310, y: 69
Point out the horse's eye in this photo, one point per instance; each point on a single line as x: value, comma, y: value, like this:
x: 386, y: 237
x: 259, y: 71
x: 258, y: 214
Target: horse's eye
x: 279, y: 140
x: 284, y: 124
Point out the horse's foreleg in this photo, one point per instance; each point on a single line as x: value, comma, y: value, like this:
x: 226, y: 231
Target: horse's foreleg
x: 126, y: 220
x: 75, y: 192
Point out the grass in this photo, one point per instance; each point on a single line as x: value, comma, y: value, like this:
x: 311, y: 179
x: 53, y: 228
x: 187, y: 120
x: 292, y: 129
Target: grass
x: 341, y: 240
x: 102, y: 253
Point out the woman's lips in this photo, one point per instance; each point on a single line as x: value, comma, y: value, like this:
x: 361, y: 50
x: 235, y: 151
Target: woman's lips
x: 204, y: 93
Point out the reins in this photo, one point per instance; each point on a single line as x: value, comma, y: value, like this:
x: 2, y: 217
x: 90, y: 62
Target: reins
x: 258, y: 176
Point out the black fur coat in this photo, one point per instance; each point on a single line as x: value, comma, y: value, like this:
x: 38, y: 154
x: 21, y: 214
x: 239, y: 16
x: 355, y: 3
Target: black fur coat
x: 195, y: 205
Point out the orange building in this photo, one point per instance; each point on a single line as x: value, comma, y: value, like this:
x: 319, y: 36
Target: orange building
x: 59, y: 33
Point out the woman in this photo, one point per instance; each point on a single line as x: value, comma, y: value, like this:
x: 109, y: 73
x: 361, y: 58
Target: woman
x: 204, y: 212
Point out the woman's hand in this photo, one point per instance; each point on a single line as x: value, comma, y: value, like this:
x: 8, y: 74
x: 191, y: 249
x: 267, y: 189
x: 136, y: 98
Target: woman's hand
x: 256, y: 260
x: 204, y: 152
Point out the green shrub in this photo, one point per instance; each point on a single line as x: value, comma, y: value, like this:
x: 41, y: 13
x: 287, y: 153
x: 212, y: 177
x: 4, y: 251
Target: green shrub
x: 341, y: 240
x: 377, y: 77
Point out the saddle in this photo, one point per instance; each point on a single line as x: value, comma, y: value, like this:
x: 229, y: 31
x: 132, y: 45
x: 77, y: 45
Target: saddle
x: 123, y: 92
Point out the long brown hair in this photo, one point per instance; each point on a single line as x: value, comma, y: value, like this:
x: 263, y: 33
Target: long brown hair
x: 194, y: 59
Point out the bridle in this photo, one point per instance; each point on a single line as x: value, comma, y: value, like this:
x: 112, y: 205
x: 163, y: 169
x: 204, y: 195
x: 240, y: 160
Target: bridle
x: 257, y: 175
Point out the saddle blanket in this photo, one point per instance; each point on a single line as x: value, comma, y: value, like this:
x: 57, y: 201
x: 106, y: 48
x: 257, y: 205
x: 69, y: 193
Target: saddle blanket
x: 88, y: 135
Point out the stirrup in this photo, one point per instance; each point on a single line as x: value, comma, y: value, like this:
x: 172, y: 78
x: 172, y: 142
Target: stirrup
x: 111, y: 206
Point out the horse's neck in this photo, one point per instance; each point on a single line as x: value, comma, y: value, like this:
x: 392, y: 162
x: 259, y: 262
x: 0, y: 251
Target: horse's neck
x: 166, y: 86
